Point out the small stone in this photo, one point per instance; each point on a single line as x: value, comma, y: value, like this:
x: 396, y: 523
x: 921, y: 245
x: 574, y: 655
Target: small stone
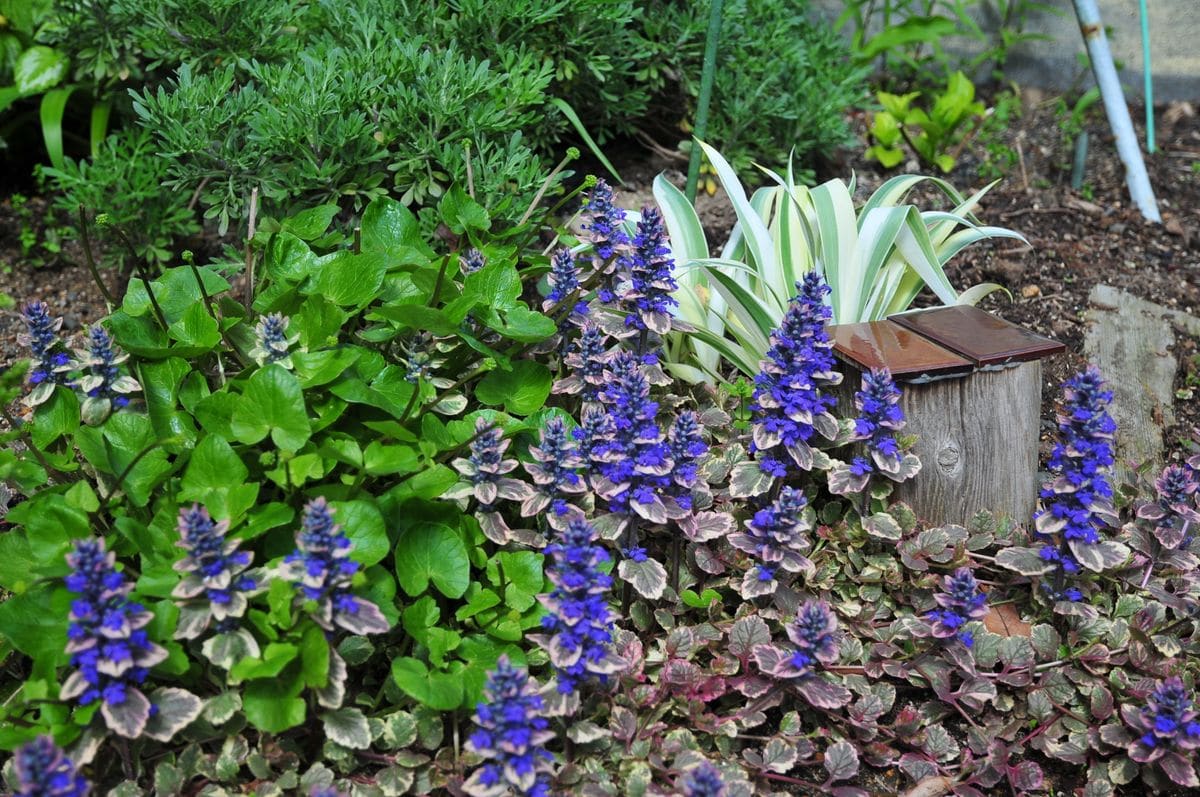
x: 1030, y: 291
x: 71, y: 322
x: 1009, y: 271
x: 1118, y: 228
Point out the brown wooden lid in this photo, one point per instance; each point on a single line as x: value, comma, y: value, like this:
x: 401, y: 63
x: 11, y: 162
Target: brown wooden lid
x: 978, y: 335
x: 885, y: 344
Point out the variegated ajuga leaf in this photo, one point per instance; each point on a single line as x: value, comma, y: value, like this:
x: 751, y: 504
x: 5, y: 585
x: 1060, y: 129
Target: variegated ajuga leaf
x: 176, y: 709
x: 648, y: 577
x: 347, y: 727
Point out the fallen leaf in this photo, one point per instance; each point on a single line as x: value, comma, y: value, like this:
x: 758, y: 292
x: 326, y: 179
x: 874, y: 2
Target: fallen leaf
x: 1004, y: 621
x: 1030, y: 291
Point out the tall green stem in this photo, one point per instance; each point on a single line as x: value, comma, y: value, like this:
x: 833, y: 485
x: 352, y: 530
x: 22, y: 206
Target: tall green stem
x: 706, y: 84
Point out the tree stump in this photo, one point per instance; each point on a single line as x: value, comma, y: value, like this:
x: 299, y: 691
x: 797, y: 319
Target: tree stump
x: 971, y: 392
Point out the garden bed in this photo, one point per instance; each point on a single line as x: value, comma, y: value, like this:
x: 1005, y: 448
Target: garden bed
x: 875, y: 687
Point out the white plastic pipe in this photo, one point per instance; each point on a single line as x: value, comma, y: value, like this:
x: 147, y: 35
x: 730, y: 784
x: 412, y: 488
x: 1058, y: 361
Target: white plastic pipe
x: 1116, y: 109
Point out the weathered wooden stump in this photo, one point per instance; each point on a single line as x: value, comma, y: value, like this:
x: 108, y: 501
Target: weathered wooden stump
x: 971, y: 387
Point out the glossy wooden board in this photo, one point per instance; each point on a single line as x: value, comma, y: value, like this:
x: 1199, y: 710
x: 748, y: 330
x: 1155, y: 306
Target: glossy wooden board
x: 885, y: 344
x: 979, y: 336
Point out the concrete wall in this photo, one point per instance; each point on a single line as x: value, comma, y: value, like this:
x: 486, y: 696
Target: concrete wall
x: 1053, y: 63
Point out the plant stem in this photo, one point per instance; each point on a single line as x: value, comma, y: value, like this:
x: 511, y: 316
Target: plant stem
x: 33, y: 449
x: 545, y: 187
x: 707, y: 75
x: 249, y: 300
x: 109, y: 302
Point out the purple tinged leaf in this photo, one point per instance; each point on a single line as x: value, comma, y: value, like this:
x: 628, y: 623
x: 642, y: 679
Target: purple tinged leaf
x: 706, y: 526
x: 746, y: 634
x: 1099, y: 556
x: 841, y: 761
x: 822, y: 694
x: 1026, y: 776
x: 1179, y: 769
x: 883, y: 526
x: 1116, y: 735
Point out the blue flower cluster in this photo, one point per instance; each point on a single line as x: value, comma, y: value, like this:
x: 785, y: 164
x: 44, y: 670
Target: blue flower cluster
x: 111, y: 652
x: 624, y: 443
x: 586, y: 359
x: 814, y: 633
x: 1077, y: 499
x: 485, y: 469
x: 325, y: 791
x: 102, y: 382
x: 1168, y: 722
x: 703, y: 781
x: 214, y: 586
x: 555, y: 472
x: 777, y: 535
x: 579, y: 620
x: 43, y: 770
x: 960, y: 602
x: 563, y: 278
x: 471, y: 261
x: 272, y: 344
x: 790, y: 402
x: 51, y: 365
x: 686, y: 442
x: 511, y: 738
x: 602, y: 220
x: 648, y: 301
x: 879, y: 415
x: 1174, y: 513
x: 323, y: 574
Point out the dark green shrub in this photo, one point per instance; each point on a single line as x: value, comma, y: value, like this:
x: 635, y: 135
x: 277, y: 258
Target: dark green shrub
x: 125, y: 182
x: 784, y: 80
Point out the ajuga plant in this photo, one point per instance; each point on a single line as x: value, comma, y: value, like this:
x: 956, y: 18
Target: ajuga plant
x: 43, y: 770
x: 444, y: 532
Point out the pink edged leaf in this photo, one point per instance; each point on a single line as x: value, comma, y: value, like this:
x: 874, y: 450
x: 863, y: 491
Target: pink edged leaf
x: 366, y: 619
x: 823, y: 694
x: 1026, y: 561
x: 883, y: 526
x: 176, y: 709
x: 706, y: 526
x: 843, y: 482
x: 746, y: 634
x: 841, y: 761
x: 1026, y: 776
x: 129, y: 717
x: 649, y: 577
x: 493, y: 527
x: 1179, y: 769
x: 1099, y: 556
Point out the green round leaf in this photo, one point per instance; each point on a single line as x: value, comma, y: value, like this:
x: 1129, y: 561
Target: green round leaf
x: 432, y: 552
x: 522, y: 391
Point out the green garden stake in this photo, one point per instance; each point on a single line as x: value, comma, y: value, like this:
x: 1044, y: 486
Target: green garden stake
x: 1147, y: 76
x: 706, y: 84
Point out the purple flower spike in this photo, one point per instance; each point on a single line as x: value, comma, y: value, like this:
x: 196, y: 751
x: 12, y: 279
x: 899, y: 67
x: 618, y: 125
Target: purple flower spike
x: 1077, y: 499
x: 777, y: 536
x: 215, y: 585
x: 580, y: 622
x: 602, y: 221
x: 50, y: 365
x: 648, y: 301
x: 1169, y: 725
x: 323, y: 574
x: 563, y: 278
x: 485, y: 470
x: 555, y: 472
x: 1174, y: 513
x: 586, y: 359
x: 511, y: 737
x: 880, y: 417
x: 791, y: 402
x: 630, y: 456
x: 272, y: 344
x: 960, y: 602
x: 43, y: 770
x: 704, y: 780
x: 110, y: 651
x: 104, y: 386
x: 471, y: 261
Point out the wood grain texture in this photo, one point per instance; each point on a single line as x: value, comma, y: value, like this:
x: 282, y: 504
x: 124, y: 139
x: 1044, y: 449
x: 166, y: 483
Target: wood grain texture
x: 1130, y: 341
x: 977, y: 439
